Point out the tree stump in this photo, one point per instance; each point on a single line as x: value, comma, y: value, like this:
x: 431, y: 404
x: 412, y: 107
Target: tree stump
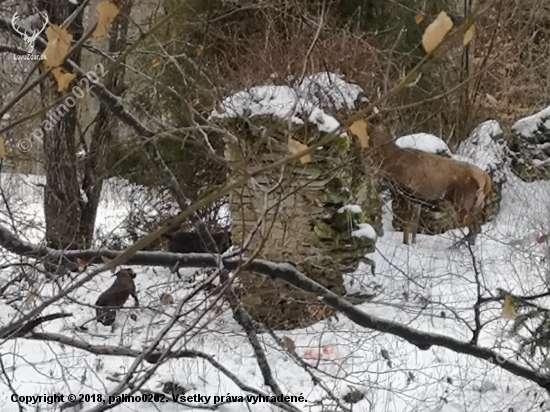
x: 303, y: 219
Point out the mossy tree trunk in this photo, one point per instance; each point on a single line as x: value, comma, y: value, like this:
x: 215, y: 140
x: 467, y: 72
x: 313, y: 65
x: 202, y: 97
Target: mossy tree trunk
x: 294, y: 215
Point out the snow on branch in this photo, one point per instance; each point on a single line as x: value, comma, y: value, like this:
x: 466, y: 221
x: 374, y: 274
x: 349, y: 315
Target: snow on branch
x: 534, y: 128
x: 365, y: 231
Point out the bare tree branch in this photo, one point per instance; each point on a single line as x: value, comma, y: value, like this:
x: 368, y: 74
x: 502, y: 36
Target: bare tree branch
x: 151, y: 358
x: 289, y: 274
x: 28, y: 327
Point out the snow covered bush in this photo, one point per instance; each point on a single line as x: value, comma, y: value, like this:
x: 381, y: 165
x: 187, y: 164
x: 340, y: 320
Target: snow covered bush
x: 530, y: 146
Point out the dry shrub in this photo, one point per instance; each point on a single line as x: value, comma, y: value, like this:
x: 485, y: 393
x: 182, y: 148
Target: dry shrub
x: 281, y: 47
x: 281, y: 54
x: 276, y: 47
x: 518, y: 83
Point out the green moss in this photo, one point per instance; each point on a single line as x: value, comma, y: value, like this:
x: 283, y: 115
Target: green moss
x: 342, y: 221
x: 341, y: 181
x: 233, y: 153
x: 526, y: 160
x: 343, y: 144
x: 323, y: 231
x: 335, y: 232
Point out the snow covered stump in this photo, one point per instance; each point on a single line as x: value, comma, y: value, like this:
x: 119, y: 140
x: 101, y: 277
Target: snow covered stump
x: 315, y: 215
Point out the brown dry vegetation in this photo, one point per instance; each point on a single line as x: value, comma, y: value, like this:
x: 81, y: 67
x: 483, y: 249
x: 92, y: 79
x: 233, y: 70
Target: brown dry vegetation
x: 275, y: 47
x: 520, y: 80
x: 241, y: 45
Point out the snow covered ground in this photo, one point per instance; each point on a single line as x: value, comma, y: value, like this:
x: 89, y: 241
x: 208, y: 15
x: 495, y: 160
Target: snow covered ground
x: 428, y: 286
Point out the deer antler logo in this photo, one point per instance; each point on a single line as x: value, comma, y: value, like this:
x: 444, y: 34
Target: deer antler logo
x: 29, y: 39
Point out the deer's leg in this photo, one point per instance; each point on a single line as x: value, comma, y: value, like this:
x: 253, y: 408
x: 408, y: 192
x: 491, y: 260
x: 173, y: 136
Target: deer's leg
x: 406, y: 233
x: 415, y: 217
x: 471, y: 237
x: 407, y: 222
x: 459, y: 217
x: 474, y: 229
x: 401, y: 211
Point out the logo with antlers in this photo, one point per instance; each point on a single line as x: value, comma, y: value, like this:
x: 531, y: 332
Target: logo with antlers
x: 29, y: 39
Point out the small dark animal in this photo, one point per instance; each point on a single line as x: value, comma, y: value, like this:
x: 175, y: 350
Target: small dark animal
x: 116, y: 296
x: 191, y: 242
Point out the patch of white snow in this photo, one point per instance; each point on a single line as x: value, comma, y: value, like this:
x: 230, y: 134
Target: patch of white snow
x: 424, y: 142
x: 310, y: 99
x: 365, y: 230
x: 355, y: 209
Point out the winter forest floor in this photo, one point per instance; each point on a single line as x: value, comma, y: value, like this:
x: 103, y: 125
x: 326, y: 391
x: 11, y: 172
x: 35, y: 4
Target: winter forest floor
x: 429, y: 286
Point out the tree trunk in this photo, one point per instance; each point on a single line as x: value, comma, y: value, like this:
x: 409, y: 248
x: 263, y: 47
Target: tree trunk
x: 62, y: 194
x: 70, y: 216
x: 104, y: 131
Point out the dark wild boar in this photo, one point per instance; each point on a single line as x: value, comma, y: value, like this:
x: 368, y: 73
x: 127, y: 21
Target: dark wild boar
x: 116, y: 296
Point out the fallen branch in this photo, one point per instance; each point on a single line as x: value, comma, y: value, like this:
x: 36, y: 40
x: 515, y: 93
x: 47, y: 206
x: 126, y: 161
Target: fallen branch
x: 16, y: 331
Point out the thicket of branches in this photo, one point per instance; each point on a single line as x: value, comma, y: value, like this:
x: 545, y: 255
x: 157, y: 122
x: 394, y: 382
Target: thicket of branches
x: 149, y: 124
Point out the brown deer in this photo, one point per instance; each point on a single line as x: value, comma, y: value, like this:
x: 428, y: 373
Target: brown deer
x: 457, y: 187
x: 116, y: 296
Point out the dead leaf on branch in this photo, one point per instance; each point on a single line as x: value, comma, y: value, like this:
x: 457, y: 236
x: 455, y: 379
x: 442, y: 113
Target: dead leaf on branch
x: 31, y: 298
x: 289, y: 344
x: 157, y: 61
x: 59, y: 43
x: 491, y: 99
x: 419, y: 18
x: 469, y: 35
x: 436, y: 32
x: 167, y: 299
x: 107, y: 13
x: 509, y: 308
x: 108, y: 261
x: 3, y: 152
x: 295, y: 147
x: 63, y: 79
x: 360, y: 130
x: 542, y: 239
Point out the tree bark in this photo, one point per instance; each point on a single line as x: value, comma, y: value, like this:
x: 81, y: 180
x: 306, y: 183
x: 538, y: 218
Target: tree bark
x: 71, y: 209
x: 104, y: 131
x: 61, y: 194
